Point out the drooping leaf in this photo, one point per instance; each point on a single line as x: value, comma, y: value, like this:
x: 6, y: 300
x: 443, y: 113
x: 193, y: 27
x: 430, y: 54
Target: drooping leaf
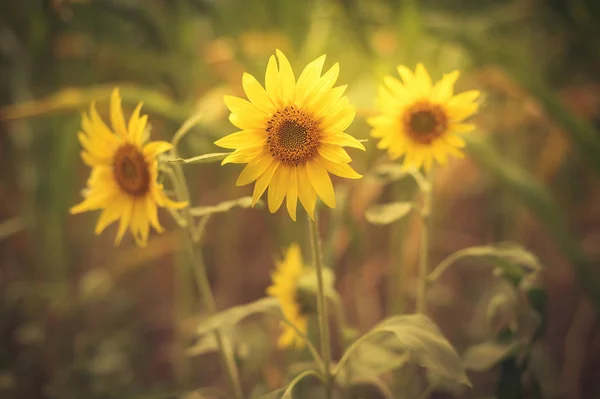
x: 244, y: 202
x: 286, y: 392
x: 388, y: 213
x: 514, y: 254
x: 234, y: 315
x: 486, y: 355
x: 206, y: 158
x: 539, y: 201
x: 418, y: 337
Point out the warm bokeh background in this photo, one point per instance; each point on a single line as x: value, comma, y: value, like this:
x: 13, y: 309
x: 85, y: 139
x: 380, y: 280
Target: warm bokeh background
x: 81, y: 318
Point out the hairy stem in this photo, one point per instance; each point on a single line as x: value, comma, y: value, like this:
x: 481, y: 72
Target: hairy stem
x: 201, y: 280
x: 317, y: 257
x: 427, y: 194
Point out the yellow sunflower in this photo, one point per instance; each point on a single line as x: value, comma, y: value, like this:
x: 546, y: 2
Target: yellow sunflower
x: 124, y: 171
x: 292, y: 134
x: 286, y: 279
x: 421, y: 120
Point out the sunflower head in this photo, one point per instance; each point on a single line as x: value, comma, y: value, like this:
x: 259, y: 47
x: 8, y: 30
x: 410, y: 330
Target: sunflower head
x: 421, y: 120
x: 292, y: 283
x: 292, y: 134
x: 124, y: 165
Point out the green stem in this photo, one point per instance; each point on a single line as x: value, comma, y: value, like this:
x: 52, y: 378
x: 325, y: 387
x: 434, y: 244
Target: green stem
x: 203, y: 284
x: 427, y: 194
x: 201, y: 279
x: 317, y: 257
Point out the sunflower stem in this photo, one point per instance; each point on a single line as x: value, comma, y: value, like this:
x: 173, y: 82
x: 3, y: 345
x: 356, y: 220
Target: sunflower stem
x: 317, y: 257
x: 202, y: 282
x: 427, y: 198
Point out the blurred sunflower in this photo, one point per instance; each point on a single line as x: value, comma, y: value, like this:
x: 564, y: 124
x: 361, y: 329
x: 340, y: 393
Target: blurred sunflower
x: 421, y: 120
x: 292, y: 135
x: 285, y: 287
x: 124, y: 171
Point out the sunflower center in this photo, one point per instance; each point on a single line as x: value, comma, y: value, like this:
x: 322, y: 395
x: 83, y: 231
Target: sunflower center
x: 307, y: 302
x: 293, y: 136
x: 425, y: 122
x: 131, y: 170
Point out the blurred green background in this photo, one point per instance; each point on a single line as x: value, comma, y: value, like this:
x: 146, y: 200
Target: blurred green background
x: 80, y: 318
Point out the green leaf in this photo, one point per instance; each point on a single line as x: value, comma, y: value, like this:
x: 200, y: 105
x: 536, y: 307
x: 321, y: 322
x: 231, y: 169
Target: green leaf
x: 206, y: 158
x: 371, y: 386
x: 72, y: 99
x: 486, y: 355
x: 10, y: 227
x: 418, y: 337
x: 388, y: 213
x: 234, y: 315
x: 371, y: 359
x: 244, y: 202
x: 388, y: 173
x: 513, y: 253
x: 287, y: 391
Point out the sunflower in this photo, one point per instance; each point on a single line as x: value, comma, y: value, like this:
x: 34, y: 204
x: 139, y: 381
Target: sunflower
x: 285, y: 287
x: 292, y: 135
x: 124, y: 171
x: 421, y: 120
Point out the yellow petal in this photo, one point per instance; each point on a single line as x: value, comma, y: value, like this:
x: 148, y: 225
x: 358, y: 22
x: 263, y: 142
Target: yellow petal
x: 154, y: 148
x: 440, y: 156
x: 406, y: 75
x: 152, y: 212
x: 125, y: 220
x: 254, y: 170
x: 454, y: 140
x: 423, y: 79
x: 331, y: 103
x: 462, y: 128
x: 116, y: 114
x: 272, y: 82
x: 306, y: 192
x: 257, y: 94
x: 263, y: 182
x: 244, y: 155
x: 462, y: 105
x: 341, y: 121
x: 243, y: 139
x: 427, y: 161
x: 94, y: 125
x: 242, y: 107
x: 340, y: 169
x: 308, y: 79
x: 344, y: 140
x: 286, y: 79
x: 139, y: 225
x: 334, y: 153
x: 98, y: 148
x: 321, y: 89
x: 134, y: 120
x: 141, y: 135
x: 319, y: 178
x: 163, y: 201
x: 98, y: 199
x: 278, y: 187
x: 399, y: 91
x: 109, y: 215
x: 292, y: 193
x: 249, y: 121
x: 444, y: 89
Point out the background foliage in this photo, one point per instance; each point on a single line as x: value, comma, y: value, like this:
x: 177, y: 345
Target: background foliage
x: 82, y: 318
